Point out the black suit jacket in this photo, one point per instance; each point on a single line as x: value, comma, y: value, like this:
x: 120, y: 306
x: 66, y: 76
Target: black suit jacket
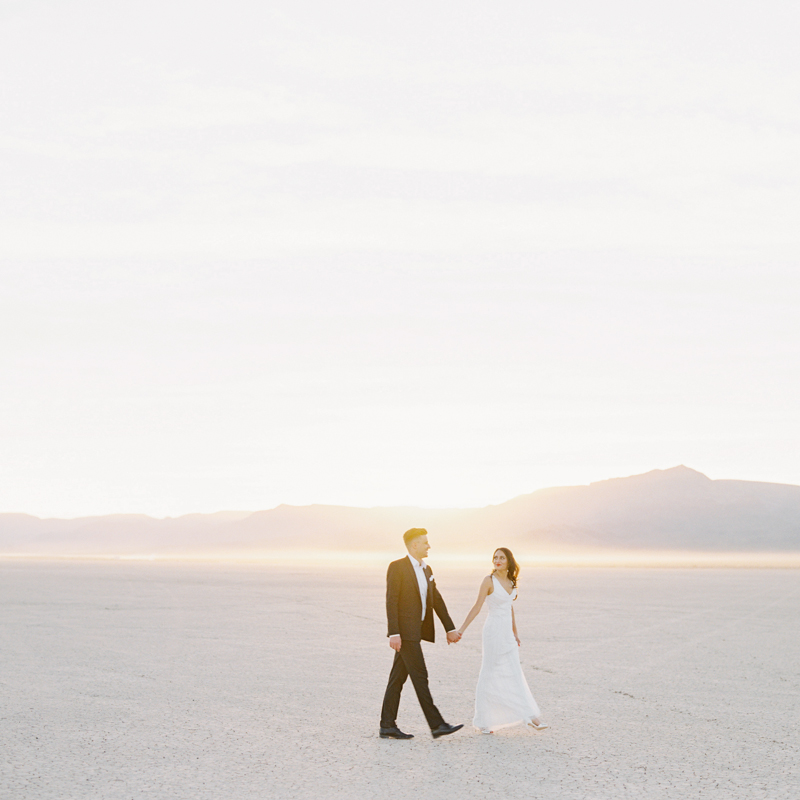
x: 404, y: 605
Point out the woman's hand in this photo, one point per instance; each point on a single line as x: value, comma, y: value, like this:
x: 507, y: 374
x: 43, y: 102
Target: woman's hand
x: 519, y: 643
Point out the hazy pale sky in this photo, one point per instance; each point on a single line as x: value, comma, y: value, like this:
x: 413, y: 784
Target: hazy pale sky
x: 420, y: 253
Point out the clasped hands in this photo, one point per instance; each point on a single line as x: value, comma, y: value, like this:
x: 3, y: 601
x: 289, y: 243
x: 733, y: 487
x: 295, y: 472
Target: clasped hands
x: 395, y: 641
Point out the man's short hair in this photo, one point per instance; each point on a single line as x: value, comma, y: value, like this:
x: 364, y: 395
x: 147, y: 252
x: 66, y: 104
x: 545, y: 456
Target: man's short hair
x: 412, y: 534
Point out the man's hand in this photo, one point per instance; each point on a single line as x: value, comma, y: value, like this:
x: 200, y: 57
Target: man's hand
x: 395, y: 642
x: 453, y: 637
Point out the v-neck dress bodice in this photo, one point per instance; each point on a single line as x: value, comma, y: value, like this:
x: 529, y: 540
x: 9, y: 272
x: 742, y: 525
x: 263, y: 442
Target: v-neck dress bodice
x: 502, y: 696
x: 500, y: 597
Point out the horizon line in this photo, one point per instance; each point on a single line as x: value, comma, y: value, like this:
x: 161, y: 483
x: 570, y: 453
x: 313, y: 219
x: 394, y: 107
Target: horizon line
x: 404, y: 506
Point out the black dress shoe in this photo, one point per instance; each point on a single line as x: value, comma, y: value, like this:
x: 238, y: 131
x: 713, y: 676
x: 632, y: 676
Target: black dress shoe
x: 444, y: 729
x: 395, y: 733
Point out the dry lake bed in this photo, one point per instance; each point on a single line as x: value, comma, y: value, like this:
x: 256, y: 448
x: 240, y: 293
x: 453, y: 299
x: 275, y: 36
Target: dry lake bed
x: 155, y: 680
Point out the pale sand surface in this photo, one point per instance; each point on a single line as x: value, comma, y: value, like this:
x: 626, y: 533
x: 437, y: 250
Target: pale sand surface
x: 152, y: 680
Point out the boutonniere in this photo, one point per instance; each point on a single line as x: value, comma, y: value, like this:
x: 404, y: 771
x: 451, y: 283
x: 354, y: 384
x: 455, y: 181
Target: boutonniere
x: 431, y: 578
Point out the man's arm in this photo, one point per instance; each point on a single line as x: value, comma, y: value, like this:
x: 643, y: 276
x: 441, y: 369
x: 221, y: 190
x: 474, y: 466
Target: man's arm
x: 392, y: 607
x: 441, y: 611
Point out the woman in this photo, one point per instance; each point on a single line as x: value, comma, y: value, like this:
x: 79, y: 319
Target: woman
x: 502, y: 696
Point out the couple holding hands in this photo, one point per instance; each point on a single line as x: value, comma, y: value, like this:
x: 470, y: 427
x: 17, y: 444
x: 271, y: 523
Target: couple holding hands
x: 502, y: 696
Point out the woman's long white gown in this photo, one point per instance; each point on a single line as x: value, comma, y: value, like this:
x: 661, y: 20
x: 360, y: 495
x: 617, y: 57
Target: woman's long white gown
x: 502, y: 696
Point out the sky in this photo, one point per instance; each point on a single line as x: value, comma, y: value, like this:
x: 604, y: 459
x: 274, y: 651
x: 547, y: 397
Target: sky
x: 408, y: 254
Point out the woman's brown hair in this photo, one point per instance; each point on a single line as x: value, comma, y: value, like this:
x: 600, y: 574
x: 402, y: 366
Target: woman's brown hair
x: 513, y: 567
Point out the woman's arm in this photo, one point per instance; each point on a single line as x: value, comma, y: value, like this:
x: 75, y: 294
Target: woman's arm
x: 514, y: 627
x: 483, y: 593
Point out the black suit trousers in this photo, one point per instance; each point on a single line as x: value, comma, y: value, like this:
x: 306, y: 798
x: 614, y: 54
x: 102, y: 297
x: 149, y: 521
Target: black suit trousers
x: 409, y: 662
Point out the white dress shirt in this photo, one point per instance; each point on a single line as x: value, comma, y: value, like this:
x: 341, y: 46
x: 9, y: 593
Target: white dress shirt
x: 422, y: 580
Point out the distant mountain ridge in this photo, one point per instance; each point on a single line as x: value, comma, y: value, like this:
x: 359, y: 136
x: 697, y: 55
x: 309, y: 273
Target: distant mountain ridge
x: 672, y: 509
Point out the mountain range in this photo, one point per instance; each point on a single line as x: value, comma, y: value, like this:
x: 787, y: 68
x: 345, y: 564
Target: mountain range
x: 672, y: 509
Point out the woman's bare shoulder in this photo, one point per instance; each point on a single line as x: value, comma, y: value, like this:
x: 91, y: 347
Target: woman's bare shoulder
x: 486, y: 583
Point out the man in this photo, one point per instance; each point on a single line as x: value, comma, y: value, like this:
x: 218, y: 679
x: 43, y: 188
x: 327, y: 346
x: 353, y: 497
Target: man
x: 411, y: 599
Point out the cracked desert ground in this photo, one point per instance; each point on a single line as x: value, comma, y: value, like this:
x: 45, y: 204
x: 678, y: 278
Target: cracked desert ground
x: 235, y: 681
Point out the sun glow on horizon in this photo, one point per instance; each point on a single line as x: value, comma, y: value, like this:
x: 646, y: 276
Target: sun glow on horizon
x: 450, y: 561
